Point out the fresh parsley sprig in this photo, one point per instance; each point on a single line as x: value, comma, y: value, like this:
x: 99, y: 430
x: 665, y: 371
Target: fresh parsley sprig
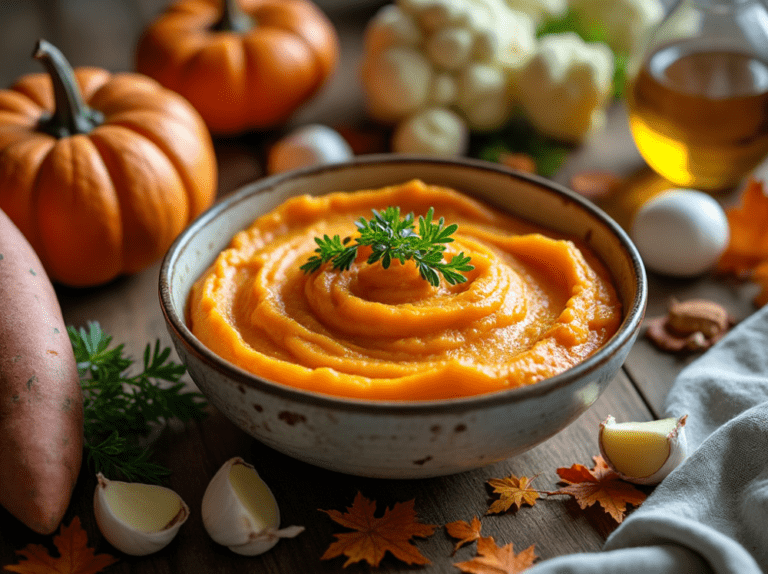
x: 391, y: 237
x: 121, y: 408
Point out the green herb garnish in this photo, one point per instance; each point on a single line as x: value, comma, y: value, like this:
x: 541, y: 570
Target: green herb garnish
x: 121, y: 409
x: 391, y: 237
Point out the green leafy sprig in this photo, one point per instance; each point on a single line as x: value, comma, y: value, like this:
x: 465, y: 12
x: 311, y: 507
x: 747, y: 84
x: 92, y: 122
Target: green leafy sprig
x: 519, y: 136
x: 121, y: 408
x: 391, y: 237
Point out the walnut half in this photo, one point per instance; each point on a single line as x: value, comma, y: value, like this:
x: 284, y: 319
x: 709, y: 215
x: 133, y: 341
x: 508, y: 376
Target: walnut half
x: 689, y: 326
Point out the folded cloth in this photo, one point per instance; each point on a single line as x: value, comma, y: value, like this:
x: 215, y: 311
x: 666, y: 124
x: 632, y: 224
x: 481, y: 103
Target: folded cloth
x: 711, y: 513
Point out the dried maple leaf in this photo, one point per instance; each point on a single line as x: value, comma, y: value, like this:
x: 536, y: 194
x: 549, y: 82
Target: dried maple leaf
x: 375, y: 536
x: 512, y: 490
x: 748, y: 243
x: 520, y: 161
x: 494, y: 560
x: 596, y: 185
x: 75, y: 555
x: 760, y: 276
x: 602, y: 485
x: 464, y: 532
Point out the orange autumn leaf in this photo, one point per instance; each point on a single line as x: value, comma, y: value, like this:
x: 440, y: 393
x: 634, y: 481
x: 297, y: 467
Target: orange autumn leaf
x: 602, y: 485
x: 748, y: 243
x: 463, y: 531
x: 491, y: 559
x: 512, y: 490
x: 760, y: 276
x: 520, y: 161
x: 373, y: 536
x: 75, y: 557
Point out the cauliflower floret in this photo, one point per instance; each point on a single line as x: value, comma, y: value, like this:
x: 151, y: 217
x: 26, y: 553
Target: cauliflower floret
x: 566, y: 86
x: 450, y: 55
x: 391, y: 27
x: 397, y: 82
x: 627, y: 23
x: 540, y: 10
x: 433, y: 131
x: 484, y: 96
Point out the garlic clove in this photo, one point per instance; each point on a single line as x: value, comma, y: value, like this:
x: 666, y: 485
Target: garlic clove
x: 313, y: 144
x: 643, y: 452
x: 136, y: 518
x: 239, y: 510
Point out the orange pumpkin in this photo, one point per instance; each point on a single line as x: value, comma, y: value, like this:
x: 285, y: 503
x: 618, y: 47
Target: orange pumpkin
x: 243, y: 67
x: 100, y: 172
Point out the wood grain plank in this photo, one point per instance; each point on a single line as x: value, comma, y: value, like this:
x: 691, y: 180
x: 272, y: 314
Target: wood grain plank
x: 103, y: 32
x: 556, y: 525
x: 652, y: 371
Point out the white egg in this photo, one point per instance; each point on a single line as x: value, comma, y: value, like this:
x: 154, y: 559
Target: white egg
x: 680, y: 232
x: 313, y: 144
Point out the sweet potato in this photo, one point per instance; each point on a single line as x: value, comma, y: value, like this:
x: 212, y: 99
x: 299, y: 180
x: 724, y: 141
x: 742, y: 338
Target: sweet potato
x: 41, y: 402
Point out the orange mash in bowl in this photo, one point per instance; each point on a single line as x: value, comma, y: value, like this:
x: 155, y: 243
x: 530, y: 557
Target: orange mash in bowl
x: 533, y: 306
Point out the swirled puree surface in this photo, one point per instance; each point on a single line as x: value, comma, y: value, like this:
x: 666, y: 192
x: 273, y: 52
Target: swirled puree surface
x: 532, y: 307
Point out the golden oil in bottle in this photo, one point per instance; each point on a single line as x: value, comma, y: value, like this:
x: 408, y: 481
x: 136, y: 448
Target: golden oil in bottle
x: 700, y: 118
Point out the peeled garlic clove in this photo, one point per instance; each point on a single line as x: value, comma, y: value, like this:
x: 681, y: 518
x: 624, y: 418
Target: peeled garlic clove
x: 136, y: 518
x: 313, y: 144
x: 643, y: 452
x: 239, y: 510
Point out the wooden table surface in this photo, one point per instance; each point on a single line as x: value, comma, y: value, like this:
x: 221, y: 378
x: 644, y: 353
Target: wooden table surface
x: 103, y: 33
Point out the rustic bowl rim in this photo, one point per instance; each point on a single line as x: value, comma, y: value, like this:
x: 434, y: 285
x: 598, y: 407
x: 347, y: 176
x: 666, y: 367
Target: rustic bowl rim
x: 175, y: 320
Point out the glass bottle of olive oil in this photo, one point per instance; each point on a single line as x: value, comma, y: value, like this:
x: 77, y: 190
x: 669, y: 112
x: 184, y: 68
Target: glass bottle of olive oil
x: 698, y: 101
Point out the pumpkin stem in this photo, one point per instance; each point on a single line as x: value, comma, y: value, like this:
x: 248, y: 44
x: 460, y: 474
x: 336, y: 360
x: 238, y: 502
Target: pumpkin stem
x: 70, y: 116
x: 233, y: 18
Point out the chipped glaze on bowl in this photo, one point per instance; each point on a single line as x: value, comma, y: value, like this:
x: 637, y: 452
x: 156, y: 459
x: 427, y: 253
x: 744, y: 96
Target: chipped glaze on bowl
x: 403, y: 439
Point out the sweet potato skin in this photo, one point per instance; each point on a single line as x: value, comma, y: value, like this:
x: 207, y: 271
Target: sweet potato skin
x: 41, y: 401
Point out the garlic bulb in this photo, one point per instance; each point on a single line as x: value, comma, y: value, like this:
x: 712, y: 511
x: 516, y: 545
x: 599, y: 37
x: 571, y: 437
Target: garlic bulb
x: 313, y: 144
x: 136, y: 518
x: 239, y: 510
x: 643, y: 452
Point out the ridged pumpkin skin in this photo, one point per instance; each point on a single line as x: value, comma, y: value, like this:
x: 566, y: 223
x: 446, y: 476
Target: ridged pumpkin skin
x: 253, y: 77
x: 111, y: 201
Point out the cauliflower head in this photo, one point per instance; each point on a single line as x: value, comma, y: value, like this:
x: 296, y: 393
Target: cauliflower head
x: 425, y: 57
x: 626, y: 23
x: 566, y: 86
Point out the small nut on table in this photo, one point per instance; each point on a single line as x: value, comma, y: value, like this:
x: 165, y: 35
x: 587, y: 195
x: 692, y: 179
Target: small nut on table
x: 596, y: 185
x: 692, y: 325
x: 519, y: 161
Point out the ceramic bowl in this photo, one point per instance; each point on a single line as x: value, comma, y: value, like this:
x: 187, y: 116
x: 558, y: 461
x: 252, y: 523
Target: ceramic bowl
x: 398, y: 439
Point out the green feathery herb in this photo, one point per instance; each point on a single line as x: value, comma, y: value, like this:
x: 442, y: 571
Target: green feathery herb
x: 391, y: 237
x: 121, y: 408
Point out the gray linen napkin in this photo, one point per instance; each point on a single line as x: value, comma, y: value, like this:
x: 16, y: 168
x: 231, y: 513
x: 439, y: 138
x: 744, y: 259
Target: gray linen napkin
x: 711, y: 513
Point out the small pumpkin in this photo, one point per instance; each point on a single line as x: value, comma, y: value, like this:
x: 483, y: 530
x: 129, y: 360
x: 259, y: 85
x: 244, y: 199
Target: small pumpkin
x: 100, y: 171
x: 242, y: 66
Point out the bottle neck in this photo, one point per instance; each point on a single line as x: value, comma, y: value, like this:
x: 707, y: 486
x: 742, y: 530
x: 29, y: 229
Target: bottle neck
x: 724, y: 25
